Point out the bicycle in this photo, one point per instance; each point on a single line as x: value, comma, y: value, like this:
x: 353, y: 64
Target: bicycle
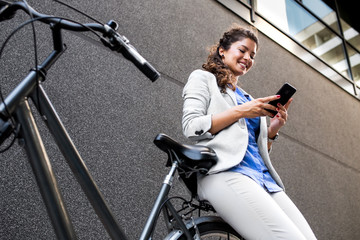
x: 185, y: 160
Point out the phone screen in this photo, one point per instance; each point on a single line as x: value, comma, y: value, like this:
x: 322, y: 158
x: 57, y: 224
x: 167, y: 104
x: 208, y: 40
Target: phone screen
x: 285, y: 92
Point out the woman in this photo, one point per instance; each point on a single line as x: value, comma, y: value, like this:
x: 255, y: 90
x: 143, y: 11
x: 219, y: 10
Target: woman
x: 243, y: 186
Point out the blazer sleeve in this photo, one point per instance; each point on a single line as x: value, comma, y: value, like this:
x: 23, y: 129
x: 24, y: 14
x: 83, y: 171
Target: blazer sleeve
x: 196, y: 95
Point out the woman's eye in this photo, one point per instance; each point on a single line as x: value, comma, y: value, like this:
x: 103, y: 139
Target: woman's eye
x: 244, y: 51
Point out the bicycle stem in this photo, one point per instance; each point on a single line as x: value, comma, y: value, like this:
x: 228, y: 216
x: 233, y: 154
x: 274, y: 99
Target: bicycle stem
x: 36, y: 75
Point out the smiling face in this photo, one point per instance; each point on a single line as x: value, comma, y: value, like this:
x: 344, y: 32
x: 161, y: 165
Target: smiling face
x: 240, y: 56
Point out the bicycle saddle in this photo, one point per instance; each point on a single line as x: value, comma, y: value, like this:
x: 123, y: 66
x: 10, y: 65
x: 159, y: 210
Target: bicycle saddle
x: 193, y: 156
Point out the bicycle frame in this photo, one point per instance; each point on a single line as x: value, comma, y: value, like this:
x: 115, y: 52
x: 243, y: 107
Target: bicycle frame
x: 17, y: 105
x: 46, y: 179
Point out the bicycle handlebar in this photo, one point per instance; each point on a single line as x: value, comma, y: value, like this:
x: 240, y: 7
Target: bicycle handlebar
x: 110, y: 38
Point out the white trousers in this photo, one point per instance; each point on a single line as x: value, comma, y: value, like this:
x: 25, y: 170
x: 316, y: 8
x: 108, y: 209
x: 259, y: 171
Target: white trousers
x: 251, y: 210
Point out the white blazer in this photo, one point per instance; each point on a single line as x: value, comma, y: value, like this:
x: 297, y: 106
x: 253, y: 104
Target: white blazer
x: 202, y: 98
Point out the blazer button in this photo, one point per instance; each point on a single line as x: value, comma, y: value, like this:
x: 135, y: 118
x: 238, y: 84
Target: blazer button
x: 199, y: 132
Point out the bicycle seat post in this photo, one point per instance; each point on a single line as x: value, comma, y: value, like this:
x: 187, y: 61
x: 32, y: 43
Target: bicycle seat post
x: 166, y: 186
x: 169, y: 178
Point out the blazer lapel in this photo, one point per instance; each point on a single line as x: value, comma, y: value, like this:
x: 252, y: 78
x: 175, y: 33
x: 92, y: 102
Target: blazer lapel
x: 232, y: 95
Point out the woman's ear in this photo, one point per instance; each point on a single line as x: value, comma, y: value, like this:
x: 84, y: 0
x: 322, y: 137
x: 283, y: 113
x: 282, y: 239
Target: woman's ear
x: 221, y: 52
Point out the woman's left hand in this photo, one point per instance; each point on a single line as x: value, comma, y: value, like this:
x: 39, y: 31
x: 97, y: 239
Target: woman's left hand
x: 279, y: 119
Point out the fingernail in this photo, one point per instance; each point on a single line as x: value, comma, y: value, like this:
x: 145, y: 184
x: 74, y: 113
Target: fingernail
x: 279, y: 104
x: 277, y: 109
x: 278, y: 115
x: 278, y: 96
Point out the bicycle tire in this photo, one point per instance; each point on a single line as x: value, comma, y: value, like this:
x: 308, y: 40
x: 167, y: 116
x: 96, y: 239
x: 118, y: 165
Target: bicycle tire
x: 211, y: 228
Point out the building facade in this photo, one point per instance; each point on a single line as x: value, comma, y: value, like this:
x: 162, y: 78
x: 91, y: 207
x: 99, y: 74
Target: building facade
x: 113, y: 112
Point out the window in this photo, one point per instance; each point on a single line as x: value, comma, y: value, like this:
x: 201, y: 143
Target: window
x: 246, y: 1
x: 315, y: 27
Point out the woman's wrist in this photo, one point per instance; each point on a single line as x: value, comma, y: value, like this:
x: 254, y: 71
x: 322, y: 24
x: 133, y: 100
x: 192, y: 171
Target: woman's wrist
x: 272, y: 133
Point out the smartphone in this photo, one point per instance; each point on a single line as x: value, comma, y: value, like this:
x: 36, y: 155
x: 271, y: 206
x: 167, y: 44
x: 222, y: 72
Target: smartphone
x: 285, y: 92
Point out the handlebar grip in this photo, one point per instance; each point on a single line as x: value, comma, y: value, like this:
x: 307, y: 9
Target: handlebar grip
x: 150, y: 72
x: 130, y: 53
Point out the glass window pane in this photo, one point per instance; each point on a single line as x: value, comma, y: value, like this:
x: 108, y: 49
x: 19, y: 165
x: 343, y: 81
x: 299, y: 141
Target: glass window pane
x: 351, y: 35
x: 275, y: 12
x: 315, y: 35
x: 246, y: 1
x: 323, y: 11
x: 293, y: 19
x: 354, y: 57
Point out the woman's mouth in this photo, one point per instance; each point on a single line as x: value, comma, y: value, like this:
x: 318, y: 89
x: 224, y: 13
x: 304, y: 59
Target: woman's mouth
x: 243, y: 66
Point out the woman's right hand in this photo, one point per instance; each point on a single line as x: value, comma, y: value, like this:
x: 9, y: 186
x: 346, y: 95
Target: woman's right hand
x: 257, y: 107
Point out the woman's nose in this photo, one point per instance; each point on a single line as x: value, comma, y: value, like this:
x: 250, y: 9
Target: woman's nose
x: 246, y: 56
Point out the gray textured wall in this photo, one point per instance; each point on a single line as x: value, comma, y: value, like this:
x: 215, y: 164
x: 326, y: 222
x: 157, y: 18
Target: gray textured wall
x: 113, y: 113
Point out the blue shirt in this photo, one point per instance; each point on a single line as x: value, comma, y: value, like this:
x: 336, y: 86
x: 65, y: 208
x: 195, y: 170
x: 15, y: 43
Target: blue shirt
x: 253, y: 165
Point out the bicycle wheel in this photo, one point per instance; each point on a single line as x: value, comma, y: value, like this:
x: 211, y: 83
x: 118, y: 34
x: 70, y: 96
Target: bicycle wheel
x: 211, y: 228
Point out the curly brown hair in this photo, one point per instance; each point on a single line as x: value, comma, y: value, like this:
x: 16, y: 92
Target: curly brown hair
x: 214, y: 63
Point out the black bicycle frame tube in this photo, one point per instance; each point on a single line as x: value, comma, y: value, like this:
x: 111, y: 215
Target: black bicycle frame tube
x: 178, y: 220
x: 164, y: 191
x: 161, y: 198
x: 76, y: 163
x: 27, y: 85
x: 43, y: 172
x: 35, y: 76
